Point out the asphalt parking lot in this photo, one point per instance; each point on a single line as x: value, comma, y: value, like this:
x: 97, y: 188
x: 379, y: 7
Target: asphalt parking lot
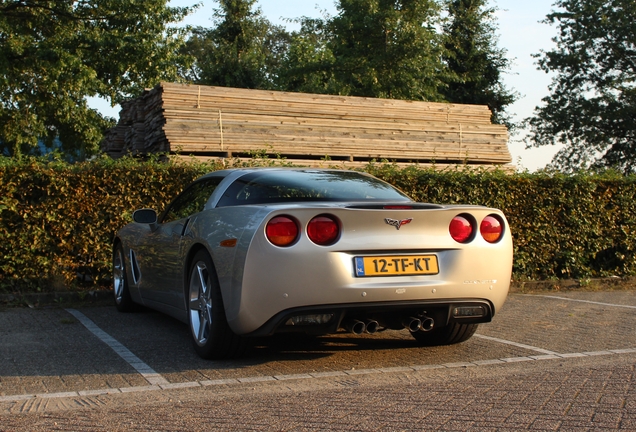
x: 554, y: 361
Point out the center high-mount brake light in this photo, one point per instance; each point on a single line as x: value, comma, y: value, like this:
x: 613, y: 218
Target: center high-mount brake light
x: 398, y: 207
x: 461, y: 229
x: 323, y: 230
x: 282, y: 231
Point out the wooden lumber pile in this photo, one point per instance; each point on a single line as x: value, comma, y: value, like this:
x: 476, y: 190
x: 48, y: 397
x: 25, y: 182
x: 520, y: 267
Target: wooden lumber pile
x: 219, y: 122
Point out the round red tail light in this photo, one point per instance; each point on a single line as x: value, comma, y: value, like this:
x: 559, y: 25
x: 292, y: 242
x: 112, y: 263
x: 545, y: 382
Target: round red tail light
x: 282, y: 231
x: 323, y: 230
x: 491, y: 229
x: 461, y: 230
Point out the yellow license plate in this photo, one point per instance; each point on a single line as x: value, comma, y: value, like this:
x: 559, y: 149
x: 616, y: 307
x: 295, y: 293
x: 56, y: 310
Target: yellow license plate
x: 396, y: 265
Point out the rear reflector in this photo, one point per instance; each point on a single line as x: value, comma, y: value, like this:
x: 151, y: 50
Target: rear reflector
x: 282, y: 231
x: 323, y: 230
x: 469, y: 311
x: 461, y: 229
x: 491, y: 229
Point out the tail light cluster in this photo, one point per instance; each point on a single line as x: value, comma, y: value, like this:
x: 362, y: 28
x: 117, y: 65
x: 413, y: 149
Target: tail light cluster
x: 323, y: 230
x: 463, y: 228
x: 282, y: 231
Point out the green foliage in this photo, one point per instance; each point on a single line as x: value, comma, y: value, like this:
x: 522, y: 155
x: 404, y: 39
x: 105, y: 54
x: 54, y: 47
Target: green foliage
x: 55, y: 54
x: 308, y: 63
x: 243, y: 50
x: 372, y: 48
x: 563, y: 226
x: 57, y: 221
x: 592, y: 105
x: 471, y: 54
x: 387, y: 48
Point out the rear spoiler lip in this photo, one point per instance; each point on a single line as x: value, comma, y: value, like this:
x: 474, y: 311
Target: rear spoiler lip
x: 396, y: 206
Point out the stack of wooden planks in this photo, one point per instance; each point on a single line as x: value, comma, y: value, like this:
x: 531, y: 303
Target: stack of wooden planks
x: 307, y: 129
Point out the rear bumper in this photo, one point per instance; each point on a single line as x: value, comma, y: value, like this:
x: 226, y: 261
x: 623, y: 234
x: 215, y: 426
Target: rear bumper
x: 389, y: 315
x: 270, y: 281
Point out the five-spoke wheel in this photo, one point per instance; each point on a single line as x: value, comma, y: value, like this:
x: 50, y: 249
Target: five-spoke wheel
x: 200, y: 303
x: 212, y: 336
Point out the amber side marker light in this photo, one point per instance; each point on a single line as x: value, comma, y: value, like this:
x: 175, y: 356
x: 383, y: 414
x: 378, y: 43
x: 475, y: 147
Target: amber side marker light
x: 228, y: 242
x: 323, y: 230
x: 281, y: 231
x: 491, y: 229
x: 461, y: 229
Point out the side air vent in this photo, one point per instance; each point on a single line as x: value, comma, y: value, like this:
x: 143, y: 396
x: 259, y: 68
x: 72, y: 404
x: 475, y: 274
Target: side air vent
x: 134, y: 265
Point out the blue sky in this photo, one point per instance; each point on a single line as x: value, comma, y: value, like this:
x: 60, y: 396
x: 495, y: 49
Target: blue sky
x: 520, y: 33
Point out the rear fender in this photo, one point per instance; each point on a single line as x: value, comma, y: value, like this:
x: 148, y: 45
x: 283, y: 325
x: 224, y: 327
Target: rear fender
x: 226, y: 233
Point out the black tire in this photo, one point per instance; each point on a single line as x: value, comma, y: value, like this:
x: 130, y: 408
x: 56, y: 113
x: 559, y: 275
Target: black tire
x: 211, y: 335
x: 121, y: 290
x: 450, y: 334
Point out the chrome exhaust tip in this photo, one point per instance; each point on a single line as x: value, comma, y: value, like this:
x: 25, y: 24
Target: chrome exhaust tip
x: 355, y: 326
x: 413, y: 324
x: 427, y: 324
x: 371, y: 326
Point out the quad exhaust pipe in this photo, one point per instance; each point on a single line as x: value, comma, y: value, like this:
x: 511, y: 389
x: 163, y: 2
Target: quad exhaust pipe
x: 371, y: 326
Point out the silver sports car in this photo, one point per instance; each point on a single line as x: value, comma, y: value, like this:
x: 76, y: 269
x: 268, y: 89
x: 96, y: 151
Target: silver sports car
x: 253, y: 252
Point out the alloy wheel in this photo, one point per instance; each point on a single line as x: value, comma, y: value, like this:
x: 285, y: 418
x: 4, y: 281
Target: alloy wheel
x: 200, y: 303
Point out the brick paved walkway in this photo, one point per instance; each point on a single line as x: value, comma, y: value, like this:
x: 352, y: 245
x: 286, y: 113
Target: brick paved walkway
x: 579, y: 394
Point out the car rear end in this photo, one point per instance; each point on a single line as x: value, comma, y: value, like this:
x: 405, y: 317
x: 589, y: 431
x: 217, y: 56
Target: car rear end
x: 372, y: 266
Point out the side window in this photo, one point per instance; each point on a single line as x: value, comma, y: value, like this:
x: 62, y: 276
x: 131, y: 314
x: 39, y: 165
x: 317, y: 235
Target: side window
x: 192, y: 200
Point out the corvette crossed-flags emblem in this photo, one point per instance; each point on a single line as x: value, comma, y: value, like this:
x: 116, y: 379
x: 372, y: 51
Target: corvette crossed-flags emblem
x: 397, y: 223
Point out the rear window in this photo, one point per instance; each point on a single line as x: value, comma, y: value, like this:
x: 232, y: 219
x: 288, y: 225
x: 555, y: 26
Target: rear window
x: 265, y: 187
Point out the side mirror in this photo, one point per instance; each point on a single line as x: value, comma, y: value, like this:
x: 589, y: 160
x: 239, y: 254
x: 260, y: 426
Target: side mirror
x: 145, y: 216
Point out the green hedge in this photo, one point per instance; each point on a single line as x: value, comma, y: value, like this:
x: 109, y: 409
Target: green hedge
x: 57, y: 221
x: 564, y: 226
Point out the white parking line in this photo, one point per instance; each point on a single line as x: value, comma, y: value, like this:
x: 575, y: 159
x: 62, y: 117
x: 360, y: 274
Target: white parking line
x: 518, y: 345
x: 583, y: 301
x: 146, y: 371
x: 316, y: 375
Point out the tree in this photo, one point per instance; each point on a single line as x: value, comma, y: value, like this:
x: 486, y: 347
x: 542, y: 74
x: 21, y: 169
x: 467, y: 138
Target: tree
x: 307, y: 65
x: 53, y: 54
x: 387, y: 49
x: 243, y: 50
x: 373, y: 48
x: 591, y: 108
x: 475, y: 62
